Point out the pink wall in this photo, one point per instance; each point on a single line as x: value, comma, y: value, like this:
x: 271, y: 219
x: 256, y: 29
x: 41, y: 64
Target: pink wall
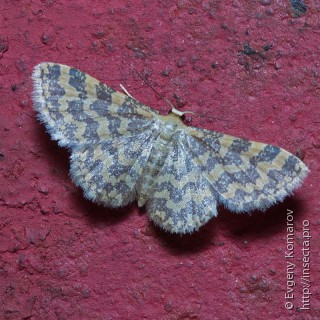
x: 252, y: 66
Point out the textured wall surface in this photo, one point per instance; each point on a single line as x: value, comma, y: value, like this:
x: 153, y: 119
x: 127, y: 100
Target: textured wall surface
x: 251, y: 68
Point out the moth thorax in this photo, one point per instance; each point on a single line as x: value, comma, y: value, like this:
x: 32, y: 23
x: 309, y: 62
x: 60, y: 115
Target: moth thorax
x: 167, y: 131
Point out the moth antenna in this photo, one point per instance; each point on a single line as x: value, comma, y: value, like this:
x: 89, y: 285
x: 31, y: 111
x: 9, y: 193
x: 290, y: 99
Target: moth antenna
x: 173, y: 109
x: 127, y: 92
x: 156, y: 92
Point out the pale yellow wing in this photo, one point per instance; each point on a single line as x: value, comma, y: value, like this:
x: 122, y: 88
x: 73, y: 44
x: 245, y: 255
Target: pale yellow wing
x: 181, y: 199
x: 207, y: 168
x: 77, y: 108
x: 247, y: 175
x: 109, y: 134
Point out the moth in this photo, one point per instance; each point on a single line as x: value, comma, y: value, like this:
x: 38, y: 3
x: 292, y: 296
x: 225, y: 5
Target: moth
x: 122, y: 151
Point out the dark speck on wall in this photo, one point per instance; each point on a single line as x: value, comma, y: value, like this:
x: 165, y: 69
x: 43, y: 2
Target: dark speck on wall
x: 299, y: 7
